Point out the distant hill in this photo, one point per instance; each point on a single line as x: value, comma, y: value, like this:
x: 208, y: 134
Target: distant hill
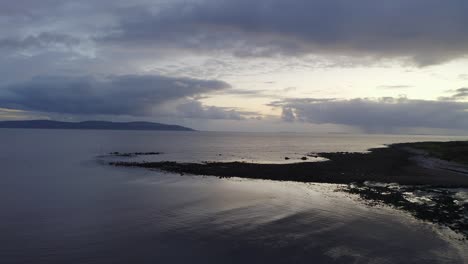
x: 48, y: 124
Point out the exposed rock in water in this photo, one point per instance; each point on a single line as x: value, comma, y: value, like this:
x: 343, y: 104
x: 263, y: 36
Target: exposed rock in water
x: 440, y: 206
x: 133, y: 154
x: 393, y: 164
x: 418, y: 190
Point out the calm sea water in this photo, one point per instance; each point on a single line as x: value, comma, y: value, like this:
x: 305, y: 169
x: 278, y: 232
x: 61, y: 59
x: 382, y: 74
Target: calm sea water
x: 59, y: 204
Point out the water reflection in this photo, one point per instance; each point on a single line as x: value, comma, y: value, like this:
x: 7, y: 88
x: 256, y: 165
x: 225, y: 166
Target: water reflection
x: 59, y: 206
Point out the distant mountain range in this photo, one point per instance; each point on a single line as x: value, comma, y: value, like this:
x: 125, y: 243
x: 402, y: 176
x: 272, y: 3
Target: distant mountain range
x: 105, y: 125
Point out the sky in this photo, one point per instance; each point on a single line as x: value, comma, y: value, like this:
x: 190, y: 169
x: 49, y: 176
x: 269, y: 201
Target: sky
x: 340, y: 66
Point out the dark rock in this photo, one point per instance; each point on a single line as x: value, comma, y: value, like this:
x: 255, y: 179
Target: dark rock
x: 132, y: 154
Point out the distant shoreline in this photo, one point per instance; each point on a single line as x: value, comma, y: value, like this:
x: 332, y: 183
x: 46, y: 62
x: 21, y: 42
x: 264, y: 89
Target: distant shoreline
x: 92, y: 125
x: 404, y: 163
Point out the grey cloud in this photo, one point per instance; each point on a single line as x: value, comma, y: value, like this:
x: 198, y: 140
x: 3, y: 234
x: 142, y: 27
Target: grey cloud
x: 428, y: 31
x: 42, y: 40
x: 289, y: 89
x: 259, y: 93
x: 377, y: 115
x: 248, y: 93
x: 458, y: 94
x: 287, y: 114
x: 392, y: 87
x: 26, y: 7
x: 195, y: 109
x: 135, y: 95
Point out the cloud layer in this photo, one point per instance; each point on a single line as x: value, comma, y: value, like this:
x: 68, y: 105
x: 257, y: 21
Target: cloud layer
x: 195, y: 109
x: 135, y: 95
x: 43, y: 40
x: 139, y: 44
x: 377, y: 115
x: 458, y: 94
x: 427, y: 31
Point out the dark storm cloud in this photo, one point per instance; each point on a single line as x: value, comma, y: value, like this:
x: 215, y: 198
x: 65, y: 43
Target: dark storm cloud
x: 134, y: 95
x: 428, y: 31
x: 381, y: 114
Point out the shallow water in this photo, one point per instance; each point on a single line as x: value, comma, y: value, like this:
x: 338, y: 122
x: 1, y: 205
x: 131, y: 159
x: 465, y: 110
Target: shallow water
x: 59, y: 205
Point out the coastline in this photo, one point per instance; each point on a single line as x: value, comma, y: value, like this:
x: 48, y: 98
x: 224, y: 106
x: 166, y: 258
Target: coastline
x: 398, y: 163
x: 411, y: 177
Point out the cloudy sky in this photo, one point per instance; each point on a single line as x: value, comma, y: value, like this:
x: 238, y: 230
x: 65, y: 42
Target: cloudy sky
x: 245, y: 65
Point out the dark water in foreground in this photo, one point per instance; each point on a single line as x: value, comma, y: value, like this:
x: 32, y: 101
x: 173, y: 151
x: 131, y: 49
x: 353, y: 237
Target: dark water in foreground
x: 59, y: 205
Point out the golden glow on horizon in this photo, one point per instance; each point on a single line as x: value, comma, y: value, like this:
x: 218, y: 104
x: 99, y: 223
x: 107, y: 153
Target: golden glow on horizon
x: 426, y: 83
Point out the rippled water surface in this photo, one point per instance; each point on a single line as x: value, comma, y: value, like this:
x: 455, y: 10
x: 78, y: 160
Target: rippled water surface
x: 60, y: 205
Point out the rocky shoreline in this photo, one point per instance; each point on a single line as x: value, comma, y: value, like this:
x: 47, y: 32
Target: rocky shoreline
x: 394, y: 164
x: 412, y: 177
